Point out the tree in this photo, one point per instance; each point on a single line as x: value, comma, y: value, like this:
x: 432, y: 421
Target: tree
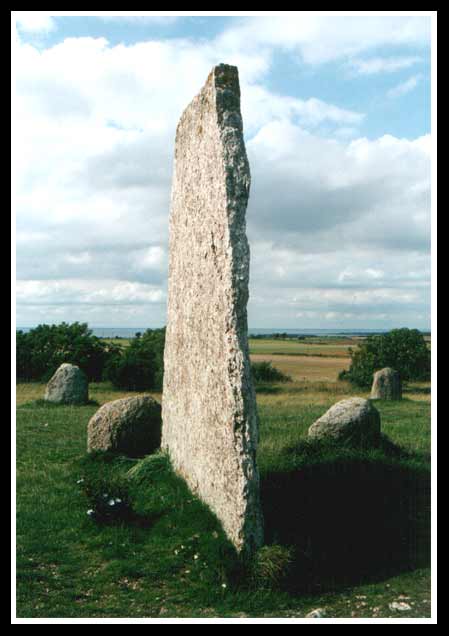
x: 402, y: 349
x: 42, y: 350
x: 140, y: 366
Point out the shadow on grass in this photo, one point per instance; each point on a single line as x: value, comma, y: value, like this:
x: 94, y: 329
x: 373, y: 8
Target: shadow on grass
x: 267, y: 389
x: 351, y: 517
x: 124, y: 515
x: 334, y: 517
x: 41, y: 403
x: 421, y: 390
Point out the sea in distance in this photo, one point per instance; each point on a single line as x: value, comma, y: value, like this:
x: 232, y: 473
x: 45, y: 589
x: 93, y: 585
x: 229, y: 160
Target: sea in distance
x: 130, y: 332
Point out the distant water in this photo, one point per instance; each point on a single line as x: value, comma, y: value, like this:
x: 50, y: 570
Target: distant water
x: 130, y: 332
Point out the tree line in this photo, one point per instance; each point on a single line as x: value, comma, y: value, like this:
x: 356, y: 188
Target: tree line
x: 140, y: 366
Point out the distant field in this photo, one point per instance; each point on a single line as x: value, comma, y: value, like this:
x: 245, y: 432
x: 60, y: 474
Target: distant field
x: 123, y: 342
x: 329, y: 347
x: 319, y: 347
x: 300, y: 368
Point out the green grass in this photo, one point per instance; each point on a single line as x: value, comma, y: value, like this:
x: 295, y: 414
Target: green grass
x: 120, y: 342
x: 345, y: 530
x: 320, y: 347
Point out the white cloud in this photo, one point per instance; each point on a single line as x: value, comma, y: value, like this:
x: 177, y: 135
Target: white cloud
x: 91, y: 292
x: 404, y: 87
x: 93, y: 153
x: 358, y: 193
x: 318, y: 39
x: 151, y: 258
x: 260, y: 106
x: 375, y: 65
x: 82, y: 258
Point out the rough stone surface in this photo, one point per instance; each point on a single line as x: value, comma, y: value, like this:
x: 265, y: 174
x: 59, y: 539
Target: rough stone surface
x: 130, y: 426
x: 210, y: 424
x: 353, y: 422
x: 387, y: 385
x: 68, y: 385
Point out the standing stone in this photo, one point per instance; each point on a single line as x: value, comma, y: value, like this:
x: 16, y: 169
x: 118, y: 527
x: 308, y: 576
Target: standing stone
x: 209, y: 415
x: 68, y: 385
x: 352, y: 422
x: 387, y: 385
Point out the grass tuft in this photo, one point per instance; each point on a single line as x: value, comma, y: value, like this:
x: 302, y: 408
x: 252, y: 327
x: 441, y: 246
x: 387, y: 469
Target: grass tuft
x: 150, y: 467
x: 272, y: 566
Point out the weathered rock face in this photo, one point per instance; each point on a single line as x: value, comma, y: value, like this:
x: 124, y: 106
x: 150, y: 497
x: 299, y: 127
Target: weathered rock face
x: 68, y: 385
x: 387, y: 385
x: 130, y: 426
x: 210, y: 424
x: 353, y: 422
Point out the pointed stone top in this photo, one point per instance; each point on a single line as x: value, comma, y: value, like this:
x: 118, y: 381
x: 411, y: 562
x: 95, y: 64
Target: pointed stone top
x: 222, y: 92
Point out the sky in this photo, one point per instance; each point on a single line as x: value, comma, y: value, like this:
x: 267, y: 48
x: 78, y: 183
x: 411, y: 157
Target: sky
x: 337, y: 122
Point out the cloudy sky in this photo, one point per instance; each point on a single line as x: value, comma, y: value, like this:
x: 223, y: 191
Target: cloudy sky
x: 336, y: 112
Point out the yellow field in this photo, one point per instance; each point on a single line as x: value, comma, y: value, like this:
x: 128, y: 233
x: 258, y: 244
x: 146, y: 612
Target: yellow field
x: 311, y: 368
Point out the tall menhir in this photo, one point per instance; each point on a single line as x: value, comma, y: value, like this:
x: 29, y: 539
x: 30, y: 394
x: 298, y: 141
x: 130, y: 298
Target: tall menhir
x: 210, y: 423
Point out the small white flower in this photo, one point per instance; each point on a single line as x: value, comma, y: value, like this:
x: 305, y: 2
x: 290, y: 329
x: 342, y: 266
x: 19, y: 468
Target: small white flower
x: 176, y: 551
x: 118, y: 500
x: 90, y: 512
x: 224, y: 586
x: 317, y: 613
x: 187, y: 571
x: 111, y: 502
x: 400, y: 607
x: 80, y: 481
x: 195, y: 556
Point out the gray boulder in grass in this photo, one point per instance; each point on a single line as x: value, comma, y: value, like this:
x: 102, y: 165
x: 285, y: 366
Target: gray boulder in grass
x: 68, y: 385
x: 352, y: 422
x: 387, y: 385
x: 129, y: 426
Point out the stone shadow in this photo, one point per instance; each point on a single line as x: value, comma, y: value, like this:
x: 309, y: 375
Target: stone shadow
x: 350, y: 519
x: 267, y: 389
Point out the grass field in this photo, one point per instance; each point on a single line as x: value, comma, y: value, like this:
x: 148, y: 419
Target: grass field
x: 334, y: 348
x: 346, y: 531
x: 330, y: 347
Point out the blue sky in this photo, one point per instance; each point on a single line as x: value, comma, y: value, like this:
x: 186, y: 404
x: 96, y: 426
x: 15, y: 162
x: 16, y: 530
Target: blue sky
x: 337, y: 125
